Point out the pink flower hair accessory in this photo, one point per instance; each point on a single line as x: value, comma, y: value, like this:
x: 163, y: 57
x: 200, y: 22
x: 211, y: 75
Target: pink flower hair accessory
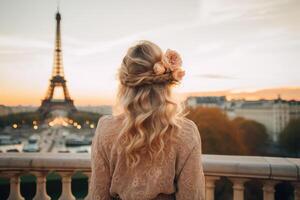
x: 171, y: 62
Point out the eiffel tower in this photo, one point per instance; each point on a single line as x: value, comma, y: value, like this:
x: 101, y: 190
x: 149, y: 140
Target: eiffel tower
x: 49, y: 104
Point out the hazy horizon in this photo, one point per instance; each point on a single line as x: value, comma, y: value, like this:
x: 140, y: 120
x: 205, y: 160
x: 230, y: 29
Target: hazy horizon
x: 232, y: 47
x: 285, y: 93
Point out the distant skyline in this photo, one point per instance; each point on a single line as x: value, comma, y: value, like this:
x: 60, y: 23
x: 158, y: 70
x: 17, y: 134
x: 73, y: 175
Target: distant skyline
x: 236, y: 48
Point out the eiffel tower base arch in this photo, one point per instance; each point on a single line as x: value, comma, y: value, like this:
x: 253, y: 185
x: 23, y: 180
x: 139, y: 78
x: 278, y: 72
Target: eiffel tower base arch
x: 52, y: 108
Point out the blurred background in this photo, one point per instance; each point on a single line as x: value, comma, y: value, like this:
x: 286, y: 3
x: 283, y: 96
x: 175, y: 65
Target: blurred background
x: 59, y: 59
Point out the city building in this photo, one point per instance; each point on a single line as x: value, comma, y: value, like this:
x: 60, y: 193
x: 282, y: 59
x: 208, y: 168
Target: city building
x: 273, y: 114
x: 6, y: 110
x: 103, y: 110
x: 207, y: 101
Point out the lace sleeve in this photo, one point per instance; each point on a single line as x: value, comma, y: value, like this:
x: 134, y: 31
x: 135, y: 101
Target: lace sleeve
x: 191, y: 181
x: 100, y: 177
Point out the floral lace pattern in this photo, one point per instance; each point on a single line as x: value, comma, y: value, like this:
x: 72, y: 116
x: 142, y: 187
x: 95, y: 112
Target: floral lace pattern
x: 179, y: 175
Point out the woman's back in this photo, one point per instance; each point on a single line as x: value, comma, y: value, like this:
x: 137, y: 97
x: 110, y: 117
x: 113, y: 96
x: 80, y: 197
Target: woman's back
x: 177, y: 175
x: 150, y: 151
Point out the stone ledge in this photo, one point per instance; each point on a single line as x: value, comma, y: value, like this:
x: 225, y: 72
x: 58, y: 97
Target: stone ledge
x: 252, y: 166
x: 215, y: 165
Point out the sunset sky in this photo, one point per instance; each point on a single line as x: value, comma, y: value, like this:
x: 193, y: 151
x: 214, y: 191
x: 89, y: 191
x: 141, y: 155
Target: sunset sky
x: 248, y: 48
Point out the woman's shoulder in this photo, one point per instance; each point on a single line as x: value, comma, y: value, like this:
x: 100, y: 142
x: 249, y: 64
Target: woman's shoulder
x: 189, y: 134
x: 190, y: 126
x: 105, y: 119
x: 106, y: 130
x: 108, y: 124
x: 187, y: 123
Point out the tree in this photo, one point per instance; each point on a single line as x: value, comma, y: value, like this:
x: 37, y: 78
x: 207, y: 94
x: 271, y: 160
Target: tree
x: 289, y: 138
x: 22, y: 118
x: 254, y: 135
x: 219, y: 135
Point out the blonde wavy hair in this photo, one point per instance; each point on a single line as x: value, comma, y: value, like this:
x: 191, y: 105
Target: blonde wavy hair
x: 152, y: 117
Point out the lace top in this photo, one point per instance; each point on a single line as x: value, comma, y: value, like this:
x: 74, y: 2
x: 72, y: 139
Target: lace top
x: 178, y: 176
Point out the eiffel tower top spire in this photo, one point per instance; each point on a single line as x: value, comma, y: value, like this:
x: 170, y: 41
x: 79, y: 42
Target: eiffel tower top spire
x: 58, y: 5
x: 58, y: 69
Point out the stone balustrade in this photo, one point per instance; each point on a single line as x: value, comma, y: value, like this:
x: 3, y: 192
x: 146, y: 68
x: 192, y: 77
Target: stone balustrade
x: 270, y: 171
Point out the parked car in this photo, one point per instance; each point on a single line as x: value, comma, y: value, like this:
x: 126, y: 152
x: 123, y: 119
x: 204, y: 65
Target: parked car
x: 12, y: 150
x: 34, y: 139
x: 31, y: 147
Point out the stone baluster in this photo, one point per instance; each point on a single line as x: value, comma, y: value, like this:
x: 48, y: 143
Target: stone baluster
x: 41, y: 192
x: 269, y: 190
x: 66, y: 178
x: 210, y: 187
x: 88, y: 196
x: 297, y: 190
x: 238, y: 188
x: 15, y: 193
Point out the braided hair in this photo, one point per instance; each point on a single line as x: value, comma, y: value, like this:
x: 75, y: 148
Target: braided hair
x: 137, y: 67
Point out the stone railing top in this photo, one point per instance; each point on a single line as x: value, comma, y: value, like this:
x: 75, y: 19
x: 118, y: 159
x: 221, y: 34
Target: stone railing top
x: 252, y: 166
x: 219, y: 165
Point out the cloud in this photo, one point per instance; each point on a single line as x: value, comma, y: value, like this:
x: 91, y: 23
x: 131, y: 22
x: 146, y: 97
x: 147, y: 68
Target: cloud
x: 22, y: 42
x: 105, y: 46
x: 215, y: 76
x: 220, y: 11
